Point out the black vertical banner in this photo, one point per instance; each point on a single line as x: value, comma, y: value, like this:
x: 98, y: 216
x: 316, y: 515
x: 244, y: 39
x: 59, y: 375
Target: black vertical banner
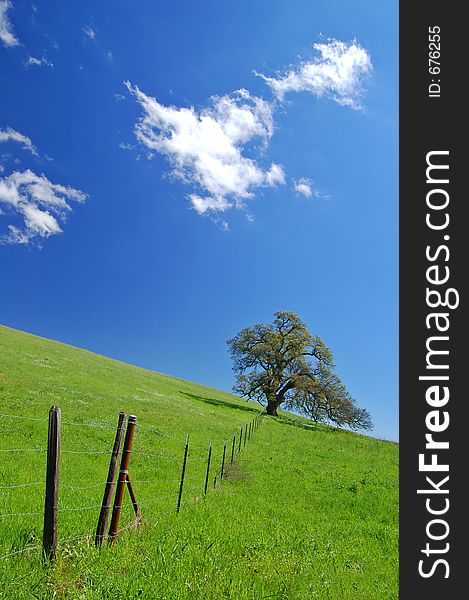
x: 434, y: 354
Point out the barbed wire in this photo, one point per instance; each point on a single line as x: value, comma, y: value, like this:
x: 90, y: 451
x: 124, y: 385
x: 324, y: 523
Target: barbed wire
x: 28, y: 514
x: 3, y: 415
x: 216, y: 475
x: 94, y: 425
x: 20, y: 551
x: 79, y: 508
x: 86, y: 452
x: 153, y: 455
x: 21, y: 485
x: 24, y: 450
x: 86, y: 487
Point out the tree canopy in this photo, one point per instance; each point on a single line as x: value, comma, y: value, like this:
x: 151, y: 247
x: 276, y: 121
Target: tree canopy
x: 282, y: 363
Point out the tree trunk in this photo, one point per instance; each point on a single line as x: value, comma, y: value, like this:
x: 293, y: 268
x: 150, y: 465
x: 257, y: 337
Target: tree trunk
x: 272, y: 408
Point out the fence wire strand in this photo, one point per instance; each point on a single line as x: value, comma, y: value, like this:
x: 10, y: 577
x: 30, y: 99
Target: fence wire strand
x: 20, y: 485
x: 20, y: 551
x: 25, y: 450
x: 196, y: 492
x: 3, y: 415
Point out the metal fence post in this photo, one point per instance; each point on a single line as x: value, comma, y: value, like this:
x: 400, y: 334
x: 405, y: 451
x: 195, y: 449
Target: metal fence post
x: 245, y: 435
x: 223, y: 462
x: 240, y: 439
x: 183, y: 472
x: 208, y: 467
x: 134, y: 499
x: 233, y: 447
x: 51, y: 504
x: 123, y: 471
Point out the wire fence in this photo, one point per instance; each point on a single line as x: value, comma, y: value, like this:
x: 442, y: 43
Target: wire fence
x: 165, y: 482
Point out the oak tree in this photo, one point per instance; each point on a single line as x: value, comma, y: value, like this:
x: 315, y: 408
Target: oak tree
x: 283, y: 364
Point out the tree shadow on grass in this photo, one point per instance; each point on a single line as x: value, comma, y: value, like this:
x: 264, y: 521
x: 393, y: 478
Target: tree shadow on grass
x: 283, y: 420
x: 223, y: 403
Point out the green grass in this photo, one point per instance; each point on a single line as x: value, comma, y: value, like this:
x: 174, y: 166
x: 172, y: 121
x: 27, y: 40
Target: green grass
x: 305, y: 511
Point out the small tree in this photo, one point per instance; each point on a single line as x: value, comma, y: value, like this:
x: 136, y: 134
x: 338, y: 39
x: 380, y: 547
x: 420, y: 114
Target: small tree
x: 283, y: 364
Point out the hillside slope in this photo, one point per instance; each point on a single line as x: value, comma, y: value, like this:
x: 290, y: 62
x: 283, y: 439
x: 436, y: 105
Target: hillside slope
x: 304, y: 512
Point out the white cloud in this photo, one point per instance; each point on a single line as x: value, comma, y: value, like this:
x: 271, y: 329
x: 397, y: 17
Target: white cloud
x: 7, y: 35
x: 304, y: 186
x: 38, y: 62
x: 337, y: 72
x: 41, y: 204
x: 206, y: 148
x: 9, y: 134
x: 109, y: 56
x: 118, y: 97
x: 90, y: 32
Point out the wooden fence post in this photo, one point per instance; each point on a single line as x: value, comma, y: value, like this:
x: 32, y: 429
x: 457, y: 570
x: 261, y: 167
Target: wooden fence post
x: 245, y: 435
x: 110, y: 484
x: 183, y: 472
x: 249, y: 432
x: 123, y: 471
x: 240, y: 439
x: 49, y: 540
x: 223, y: 462
x: 208, y: 467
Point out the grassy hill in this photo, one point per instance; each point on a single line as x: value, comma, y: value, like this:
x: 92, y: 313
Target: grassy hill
x: 305, y: 511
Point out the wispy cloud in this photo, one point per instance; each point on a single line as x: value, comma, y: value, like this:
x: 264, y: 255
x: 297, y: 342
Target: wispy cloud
x: 8, y: 134
x: 206, y: 149
x: 32, y: 61
x: 42, y: 205
x: 337, y: 71
x: 304, y: 186
x: 7, y: 35
x: 90, y: 32
x: 213, y: 149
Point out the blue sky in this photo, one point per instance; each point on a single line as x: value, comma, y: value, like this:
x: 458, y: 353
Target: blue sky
x: 151, y: 221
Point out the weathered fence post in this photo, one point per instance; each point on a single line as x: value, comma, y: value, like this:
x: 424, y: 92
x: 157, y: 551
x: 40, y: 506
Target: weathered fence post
x: 183, y: 472
x: 233, y: 447
x: 208, y: 467
x: 110, y: 483
x: 240, y: 439
x: 245, y: 435
x: 51, y: 505
x: 123, y: 471
x: 223, y: 462
x: 215, y: 482
x: 249, y: 431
